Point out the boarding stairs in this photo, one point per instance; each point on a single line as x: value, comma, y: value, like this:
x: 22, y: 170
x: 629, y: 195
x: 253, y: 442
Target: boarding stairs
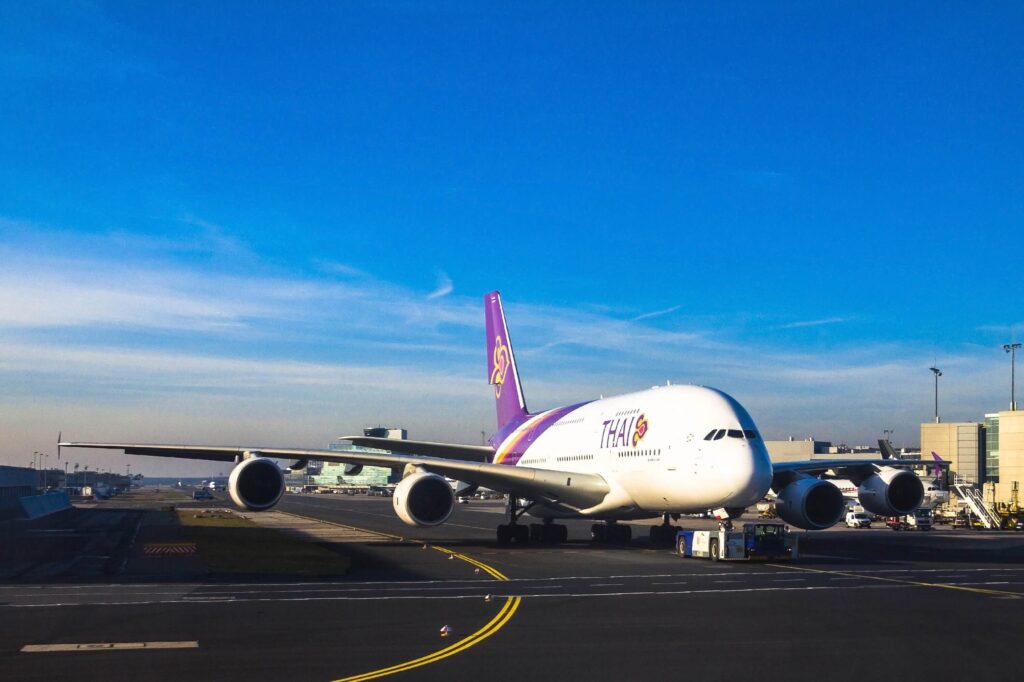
x: 976, y: 503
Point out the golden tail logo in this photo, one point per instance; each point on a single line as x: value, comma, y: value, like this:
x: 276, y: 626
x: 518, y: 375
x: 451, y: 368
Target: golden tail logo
x: 502, y: 361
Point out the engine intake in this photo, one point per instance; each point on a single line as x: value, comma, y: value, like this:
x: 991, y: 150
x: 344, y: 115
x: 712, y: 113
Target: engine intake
x: 810, y: 503
x: 423, y: 499
x: 891, y: 492
x: 256, y: 484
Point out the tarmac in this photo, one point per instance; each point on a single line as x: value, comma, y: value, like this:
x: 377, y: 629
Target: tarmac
x: 80, y: 595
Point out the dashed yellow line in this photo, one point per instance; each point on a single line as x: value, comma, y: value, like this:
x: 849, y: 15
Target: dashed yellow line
x: 508, y: 609
x: 915, y: 583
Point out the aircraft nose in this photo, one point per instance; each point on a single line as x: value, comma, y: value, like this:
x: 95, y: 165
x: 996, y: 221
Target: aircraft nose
x: 752, y: 472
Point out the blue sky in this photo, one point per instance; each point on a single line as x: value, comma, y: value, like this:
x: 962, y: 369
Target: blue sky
x: 270, y: 224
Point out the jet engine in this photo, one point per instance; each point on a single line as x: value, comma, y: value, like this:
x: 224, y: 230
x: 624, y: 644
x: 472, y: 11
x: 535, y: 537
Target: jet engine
x: 423, y: 499
x: 810, y: 503
x: 256, y: 484
x: 891, y: 492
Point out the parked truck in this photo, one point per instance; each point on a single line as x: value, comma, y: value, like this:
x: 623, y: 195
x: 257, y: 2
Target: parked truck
x: 767, y: 541
x: 919, y: 519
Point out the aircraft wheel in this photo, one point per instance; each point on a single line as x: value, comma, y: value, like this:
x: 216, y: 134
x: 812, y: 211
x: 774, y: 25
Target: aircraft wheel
x: 663, y: 535
x: 563, y: 533
x: 619, y: 534
x: 521, y: 534
x: 538, y: 532
x: 599, y: 532
x: 504, y: 534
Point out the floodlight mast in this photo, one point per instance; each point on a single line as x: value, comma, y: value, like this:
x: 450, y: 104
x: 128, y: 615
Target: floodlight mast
x: 1011, y: 348
x: 938, y: 373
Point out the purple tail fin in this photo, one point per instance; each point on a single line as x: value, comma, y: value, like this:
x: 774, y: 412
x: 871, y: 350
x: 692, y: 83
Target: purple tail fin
x: 501, y: 364
x: 937, y: 469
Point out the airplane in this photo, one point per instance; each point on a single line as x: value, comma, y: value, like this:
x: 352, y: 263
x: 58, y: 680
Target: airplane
x: 933, y: 494
x: 661, y: 452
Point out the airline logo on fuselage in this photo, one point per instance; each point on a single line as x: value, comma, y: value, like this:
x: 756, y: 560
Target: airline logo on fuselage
x: 620, y: 433
x: 502, y: 359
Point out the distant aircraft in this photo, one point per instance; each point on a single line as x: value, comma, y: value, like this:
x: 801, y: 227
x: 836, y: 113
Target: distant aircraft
x: 933, y: 494
x: 660, y: 452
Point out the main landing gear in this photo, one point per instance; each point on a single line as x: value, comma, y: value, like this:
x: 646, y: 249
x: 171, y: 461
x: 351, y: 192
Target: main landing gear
x: 520, y: 534
x: 665, y: 534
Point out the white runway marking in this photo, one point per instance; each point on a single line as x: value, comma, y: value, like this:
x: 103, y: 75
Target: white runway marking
x: 107, y: 646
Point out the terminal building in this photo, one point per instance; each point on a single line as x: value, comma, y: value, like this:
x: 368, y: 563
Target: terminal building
x: 338, y: 474
x: 15, y: 483
x: 793, y: 450
x: 988, y: 454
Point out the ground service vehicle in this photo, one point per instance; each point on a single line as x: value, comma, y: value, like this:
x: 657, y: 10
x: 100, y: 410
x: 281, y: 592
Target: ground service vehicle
x: 768, y: 541
x: 919, y: 519
x: 859, y: 519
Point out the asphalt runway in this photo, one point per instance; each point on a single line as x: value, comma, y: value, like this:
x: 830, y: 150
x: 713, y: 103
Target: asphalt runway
x: 859, y: 603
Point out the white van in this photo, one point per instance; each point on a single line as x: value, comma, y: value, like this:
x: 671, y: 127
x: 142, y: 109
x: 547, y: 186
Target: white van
x: 858, y: 519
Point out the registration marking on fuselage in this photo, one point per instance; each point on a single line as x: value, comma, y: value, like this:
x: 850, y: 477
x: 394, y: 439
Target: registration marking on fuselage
x: 106, y: 646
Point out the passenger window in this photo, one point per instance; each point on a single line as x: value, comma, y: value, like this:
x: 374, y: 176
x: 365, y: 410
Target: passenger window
x: 735, y: 433
x: 751, y: 435
x: 719, y: 434
x: 711, y: 434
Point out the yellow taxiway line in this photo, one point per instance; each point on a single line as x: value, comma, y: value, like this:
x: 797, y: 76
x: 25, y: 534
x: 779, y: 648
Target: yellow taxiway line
x: 508, y: 609
x: 915, y: 583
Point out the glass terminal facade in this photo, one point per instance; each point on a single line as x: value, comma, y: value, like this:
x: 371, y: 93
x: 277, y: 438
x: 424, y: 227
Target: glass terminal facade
x: 992, y: 448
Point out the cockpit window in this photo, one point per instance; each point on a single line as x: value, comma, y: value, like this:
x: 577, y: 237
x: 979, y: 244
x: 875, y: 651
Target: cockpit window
x: 735, y: 433
x: 711, y: 434
x: 720, y: 434
x: 751, y: 435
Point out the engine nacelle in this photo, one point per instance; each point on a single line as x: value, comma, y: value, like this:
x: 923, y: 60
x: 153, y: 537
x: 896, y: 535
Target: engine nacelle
x: 810, y: 503
x: 423, y: 499
x: 891, y: 492
x: 256, y: 484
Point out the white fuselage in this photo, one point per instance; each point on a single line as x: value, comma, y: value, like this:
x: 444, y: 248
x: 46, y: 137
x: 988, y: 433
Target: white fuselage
x: 652, y: 448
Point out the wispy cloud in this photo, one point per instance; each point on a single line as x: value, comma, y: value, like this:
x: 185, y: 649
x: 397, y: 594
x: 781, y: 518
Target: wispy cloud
x: 656, y: 313
x: 128, y: 334
x: 814, y: 323
x: 443, y: 288
x: 336, y: 268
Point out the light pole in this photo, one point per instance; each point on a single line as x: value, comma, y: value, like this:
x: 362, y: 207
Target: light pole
x: 938, y: 373
x: 1011, y: 348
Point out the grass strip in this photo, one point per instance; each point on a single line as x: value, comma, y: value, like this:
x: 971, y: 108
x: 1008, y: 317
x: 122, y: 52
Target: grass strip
x: 227, y: 542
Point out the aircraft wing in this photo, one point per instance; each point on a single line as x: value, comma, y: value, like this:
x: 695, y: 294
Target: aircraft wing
x: 853, y: 469
x: 572, y: 489
x: 476, y: 453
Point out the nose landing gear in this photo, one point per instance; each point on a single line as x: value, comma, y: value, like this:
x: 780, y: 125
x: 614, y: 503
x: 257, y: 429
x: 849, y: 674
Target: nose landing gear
x: 665, y: 534
x: 612, y: 532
